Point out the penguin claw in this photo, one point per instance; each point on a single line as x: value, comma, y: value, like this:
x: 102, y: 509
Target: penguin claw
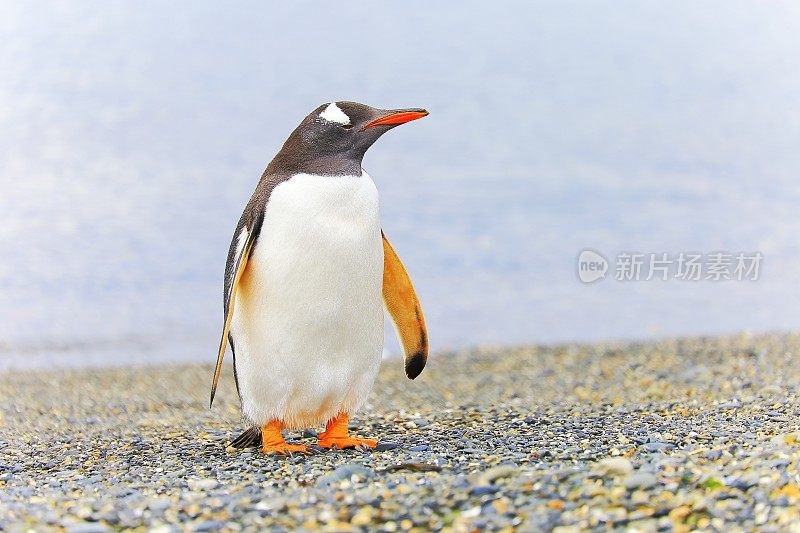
x: 287, y: 450
x: 341, y: 443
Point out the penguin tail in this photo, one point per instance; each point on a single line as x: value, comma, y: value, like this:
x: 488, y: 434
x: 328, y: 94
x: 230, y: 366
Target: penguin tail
x: 251, y: 437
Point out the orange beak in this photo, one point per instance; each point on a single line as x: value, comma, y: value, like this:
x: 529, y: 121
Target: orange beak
x: 398, y: 117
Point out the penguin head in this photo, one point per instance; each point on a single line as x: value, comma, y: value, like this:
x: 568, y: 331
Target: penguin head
x: 339, y: 133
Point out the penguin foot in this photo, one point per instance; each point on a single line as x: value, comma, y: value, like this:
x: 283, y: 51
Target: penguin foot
x: 272, y: 440
x: 336, y: 436
x: 347, y: 442
x: 287, y: 449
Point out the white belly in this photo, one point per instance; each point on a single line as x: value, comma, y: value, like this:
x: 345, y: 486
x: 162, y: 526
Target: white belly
x: 308, y: 318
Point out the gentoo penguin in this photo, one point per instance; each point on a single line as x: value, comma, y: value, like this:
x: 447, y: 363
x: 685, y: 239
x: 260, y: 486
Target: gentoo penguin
x: 308, y: 273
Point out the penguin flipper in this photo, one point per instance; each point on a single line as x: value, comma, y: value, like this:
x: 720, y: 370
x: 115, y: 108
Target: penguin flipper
x: 403, y: 306
x: 241, y: 247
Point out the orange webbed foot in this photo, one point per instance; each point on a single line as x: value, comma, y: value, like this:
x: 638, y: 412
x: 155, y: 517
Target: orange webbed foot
x: 272, y: 441
x: 336, y: 436
x: 286, y: 449
x: 346, y: 442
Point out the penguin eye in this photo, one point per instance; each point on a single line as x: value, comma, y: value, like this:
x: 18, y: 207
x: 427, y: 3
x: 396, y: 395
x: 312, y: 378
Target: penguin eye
x: 346, y: 126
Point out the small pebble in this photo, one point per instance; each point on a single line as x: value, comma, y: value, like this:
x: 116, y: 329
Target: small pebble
x: 490, y: 475
x: 640, y: 480
x: 482, y: 490
x: 613, y: 466
x: 345, y: 472
x: 86, y: 527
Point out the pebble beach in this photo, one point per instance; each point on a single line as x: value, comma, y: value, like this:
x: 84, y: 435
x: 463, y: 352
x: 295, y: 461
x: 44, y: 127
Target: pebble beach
x: 671, y: 435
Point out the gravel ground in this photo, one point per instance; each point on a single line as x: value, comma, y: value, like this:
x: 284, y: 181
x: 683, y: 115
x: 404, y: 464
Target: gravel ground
x: 671, y: 435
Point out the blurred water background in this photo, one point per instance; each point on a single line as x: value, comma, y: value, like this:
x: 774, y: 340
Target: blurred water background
x: 132, y: 134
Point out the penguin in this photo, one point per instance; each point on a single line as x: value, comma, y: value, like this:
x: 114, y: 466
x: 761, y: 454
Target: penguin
x: 308, y: 275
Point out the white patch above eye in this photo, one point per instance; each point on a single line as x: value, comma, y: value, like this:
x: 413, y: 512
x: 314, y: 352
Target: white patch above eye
x: 332, y: 113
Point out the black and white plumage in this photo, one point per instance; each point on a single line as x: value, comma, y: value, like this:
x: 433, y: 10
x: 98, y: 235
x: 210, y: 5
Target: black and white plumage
x: 306, y: 276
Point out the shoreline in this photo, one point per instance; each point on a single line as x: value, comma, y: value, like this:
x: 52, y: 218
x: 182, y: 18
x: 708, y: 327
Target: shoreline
x: 687, y: 433
x: 57, y: 356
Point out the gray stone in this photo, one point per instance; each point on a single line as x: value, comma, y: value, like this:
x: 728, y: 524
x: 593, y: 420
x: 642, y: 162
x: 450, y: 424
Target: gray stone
x: 641, y: 480
x: 85, y: 527
x: 613, y: 466
x: 345, y: 472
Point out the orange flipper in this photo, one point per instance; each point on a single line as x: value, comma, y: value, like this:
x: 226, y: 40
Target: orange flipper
x: 403, y: 305
x: 272, y: 441
x: 336, y: 436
